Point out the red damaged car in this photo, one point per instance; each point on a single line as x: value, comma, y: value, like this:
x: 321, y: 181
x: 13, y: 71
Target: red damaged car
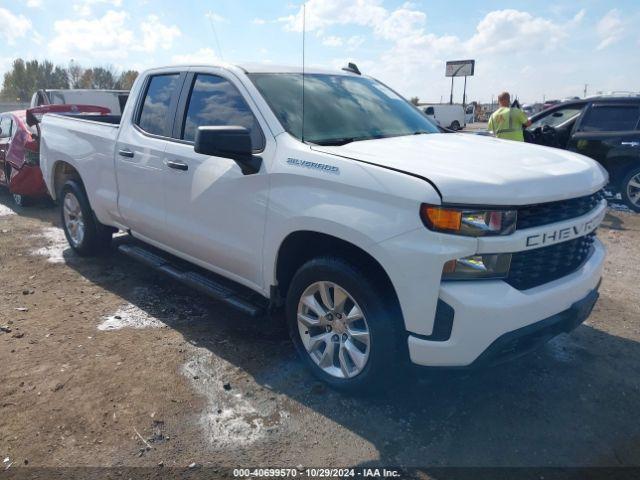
x: 20, y: 149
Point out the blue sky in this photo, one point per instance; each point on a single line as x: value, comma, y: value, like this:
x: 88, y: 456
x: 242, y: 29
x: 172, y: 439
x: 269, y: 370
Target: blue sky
x: 532, y: 49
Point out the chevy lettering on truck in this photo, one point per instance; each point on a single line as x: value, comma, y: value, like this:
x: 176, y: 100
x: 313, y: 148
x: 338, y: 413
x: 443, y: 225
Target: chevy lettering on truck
x: 566, y: 233
x: 428, y: 248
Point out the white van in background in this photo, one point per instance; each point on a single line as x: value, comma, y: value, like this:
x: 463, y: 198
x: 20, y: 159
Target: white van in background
x: 447, y: 115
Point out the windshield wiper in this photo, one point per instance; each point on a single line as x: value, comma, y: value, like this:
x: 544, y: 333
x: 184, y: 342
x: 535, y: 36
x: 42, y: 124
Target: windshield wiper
x: 334, y: 141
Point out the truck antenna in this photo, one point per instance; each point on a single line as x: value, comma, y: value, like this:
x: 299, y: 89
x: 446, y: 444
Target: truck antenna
x: 210, y: 15
x: 304, y: 31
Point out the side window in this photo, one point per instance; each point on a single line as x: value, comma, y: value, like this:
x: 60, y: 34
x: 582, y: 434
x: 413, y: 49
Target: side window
x: 558, y: 117
x: 214, y: 101
x: 5, y: 127
x: 154, y: 115
x: 429, y: 111
x: 610, y: 118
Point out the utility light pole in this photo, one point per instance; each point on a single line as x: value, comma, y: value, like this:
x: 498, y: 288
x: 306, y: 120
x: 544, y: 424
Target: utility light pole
x: 585, y: 89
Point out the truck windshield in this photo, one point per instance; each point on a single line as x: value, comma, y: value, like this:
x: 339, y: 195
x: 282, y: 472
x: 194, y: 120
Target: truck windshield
x: 339, y: 109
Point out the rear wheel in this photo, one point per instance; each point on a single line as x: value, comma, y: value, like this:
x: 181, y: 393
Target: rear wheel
x: 343, y: 325
x: 84, y: 233
x: 630, y: 189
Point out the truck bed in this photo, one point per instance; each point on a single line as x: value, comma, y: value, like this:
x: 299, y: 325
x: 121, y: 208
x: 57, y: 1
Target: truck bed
x: 88, y: 142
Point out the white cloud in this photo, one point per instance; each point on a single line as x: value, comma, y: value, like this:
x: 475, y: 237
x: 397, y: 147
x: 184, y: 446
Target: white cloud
x: 156, y: 34
x: 13, y: 26
x: 34, y: 3
x: 402, y: 22
x: 332, y: 41
x: 216, y: 17
x: 512, y: 30
x: 85, y: 7
x: 258, y: 21
x: 202, y: 56
x: 610, y: 29
x: 354, y: 42
x: 107, y: 36
x: 324, y: 13
x: 110, y: 36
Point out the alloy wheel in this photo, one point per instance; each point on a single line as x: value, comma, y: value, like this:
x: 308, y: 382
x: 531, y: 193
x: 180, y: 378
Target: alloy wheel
x: 633, y: 190
x: 333, y: 329
x: 73, y: 219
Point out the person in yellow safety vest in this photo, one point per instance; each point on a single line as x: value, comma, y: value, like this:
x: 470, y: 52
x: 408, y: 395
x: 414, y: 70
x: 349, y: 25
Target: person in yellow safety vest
x: 507, y: 122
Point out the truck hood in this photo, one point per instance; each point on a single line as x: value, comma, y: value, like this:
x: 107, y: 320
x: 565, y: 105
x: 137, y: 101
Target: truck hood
x: 473, y: 169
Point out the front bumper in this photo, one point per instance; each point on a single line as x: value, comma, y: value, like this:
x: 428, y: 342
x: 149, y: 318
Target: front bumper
x: 489, y: 315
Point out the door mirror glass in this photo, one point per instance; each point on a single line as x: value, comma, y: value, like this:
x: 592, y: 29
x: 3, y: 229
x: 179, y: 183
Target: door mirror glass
x: 232, y: 142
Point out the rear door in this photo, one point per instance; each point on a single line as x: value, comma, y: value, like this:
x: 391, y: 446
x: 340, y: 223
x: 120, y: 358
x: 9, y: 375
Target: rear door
x: 140, y: 156
x: 608, y: 133
x: 215, y: 213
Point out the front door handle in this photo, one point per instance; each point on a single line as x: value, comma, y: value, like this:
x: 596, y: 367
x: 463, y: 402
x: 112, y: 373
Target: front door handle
x: 125, y: 153
x: 630, y: 144
x: 177, y: 165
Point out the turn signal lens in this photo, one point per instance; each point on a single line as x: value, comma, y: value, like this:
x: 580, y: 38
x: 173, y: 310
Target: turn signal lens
x: 468, y: 221
x: 442, y: 219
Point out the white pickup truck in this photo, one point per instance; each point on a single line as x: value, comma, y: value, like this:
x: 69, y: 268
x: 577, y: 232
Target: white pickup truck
x: 387, y: 242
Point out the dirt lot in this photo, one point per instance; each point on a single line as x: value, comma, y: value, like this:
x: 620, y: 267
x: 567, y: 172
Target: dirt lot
x: 95, y: 352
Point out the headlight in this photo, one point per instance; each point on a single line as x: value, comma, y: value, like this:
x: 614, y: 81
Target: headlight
x: 468, y: 221
x: 477, y: 267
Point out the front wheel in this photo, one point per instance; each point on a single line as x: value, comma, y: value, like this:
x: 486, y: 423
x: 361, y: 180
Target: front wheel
x: 344, y: 325
x: 455, y: 125
x: 84, y: 233
x: 630, y: 189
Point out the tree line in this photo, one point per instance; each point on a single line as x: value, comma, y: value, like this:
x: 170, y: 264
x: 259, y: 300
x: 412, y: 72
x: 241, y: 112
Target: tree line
x: 26, y: 77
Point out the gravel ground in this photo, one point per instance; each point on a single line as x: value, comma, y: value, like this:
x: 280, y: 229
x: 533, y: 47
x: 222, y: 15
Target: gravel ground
x: 105, y: 363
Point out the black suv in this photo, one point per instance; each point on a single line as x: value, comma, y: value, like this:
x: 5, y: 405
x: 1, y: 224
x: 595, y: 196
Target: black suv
x: 606, y: 129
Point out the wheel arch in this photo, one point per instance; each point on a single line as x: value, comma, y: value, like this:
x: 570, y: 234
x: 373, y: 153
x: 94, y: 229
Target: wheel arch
x: 303, y: 245
x: 60, y: 173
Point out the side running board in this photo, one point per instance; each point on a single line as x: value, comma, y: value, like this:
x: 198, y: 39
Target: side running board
x: 241, y: 299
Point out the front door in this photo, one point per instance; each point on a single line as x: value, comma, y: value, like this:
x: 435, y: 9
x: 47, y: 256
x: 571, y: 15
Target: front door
x: 216, y: 214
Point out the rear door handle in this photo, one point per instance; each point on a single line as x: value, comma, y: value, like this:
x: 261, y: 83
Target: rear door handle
x: 125, y: 153
x: 177, y: 165
x: 631, y: 144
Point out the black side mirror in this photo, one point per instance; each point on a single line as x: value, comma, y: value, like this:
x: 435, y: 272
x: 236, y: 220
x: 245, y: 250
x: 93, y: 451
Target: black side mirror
x: 229, y: 142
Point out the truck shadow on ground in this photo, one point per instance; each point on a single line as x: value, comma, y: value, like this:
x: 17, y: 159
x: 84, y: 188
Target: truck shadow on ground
x: 574, y: 402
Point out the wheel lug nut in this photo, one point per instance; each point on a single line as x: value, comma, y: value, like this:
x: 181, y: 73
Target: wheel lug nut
x: 328, y: 328
x: 344, y: 337
x: 338, y: 316
x: 335, y: 338
x: 329, y: 317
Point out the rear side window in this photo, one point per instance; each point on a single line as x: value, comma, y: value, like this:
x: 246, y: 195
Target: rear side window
x: 610, y: 118
x: 154, y: 116
x: 5, y: 126
x: 215, y: 102
x: 429, y: 111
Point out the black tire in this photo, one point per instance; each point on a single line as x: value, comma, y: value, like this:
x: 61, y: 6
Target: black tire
x: 97, y: 237
x: 455, y: 125
x: 384, y: 363
x: 625, y: 188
